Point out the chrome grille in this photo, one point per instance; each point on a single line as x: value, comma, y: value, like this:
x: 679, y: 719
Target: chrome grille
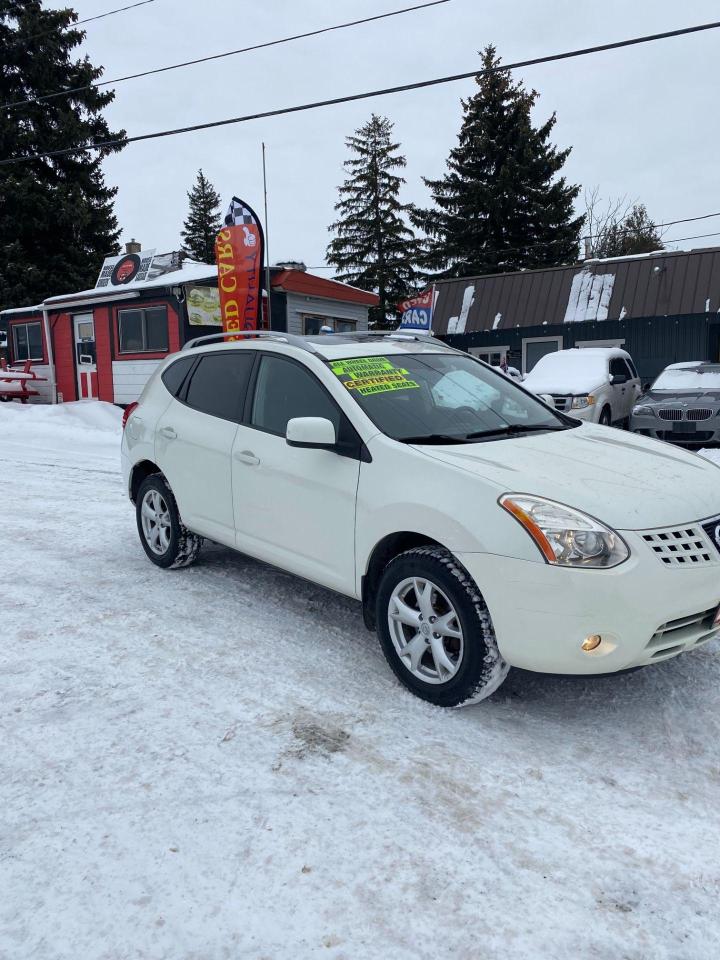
x: 669, y: 413
x: 700, y: 414
x: 561, y: 403
x: 684, y: 633
x: 679, y: 546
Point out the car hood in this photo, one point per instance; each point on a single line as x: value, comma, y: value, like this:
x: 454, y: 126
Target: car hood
x: 627, y: 481
x: 682, y: 397
x: 571, y: 383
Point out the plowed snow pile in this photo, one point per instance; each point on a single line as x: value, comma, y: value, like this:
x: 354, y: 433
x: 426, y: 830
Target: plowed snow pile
x: 217, y: 763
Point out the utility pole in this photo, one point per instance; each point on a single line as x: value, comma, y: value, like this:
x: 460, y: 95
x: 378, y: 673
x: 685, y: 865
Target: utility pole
x: 267, y: 244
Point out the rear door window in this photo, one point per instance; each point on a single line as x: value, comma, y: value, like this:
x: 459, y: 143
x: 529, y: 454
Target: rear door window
x: 219, y: 383
x: 631, y: 368
x: 174, y: 376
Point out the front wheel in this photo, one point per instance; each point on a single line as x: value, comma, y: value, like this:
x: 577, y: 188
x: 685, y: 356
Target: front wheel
x: 435, y: 629
x: 165, y: 539
x: 606, y: 417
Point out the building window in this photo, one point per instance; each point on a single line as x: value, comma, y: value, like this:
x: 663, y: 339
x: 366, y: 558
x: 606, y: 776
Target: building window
x: 534, y: 348
x: 312, y: 324
x: 143, y: 330
x: 492, y: 355
x: 27, y: 341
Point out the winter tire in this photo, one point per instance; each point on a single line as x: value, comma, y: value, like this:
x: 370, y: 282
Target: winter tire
x: 606, y: 417
x: 435, y: 629
x: 165, y: 539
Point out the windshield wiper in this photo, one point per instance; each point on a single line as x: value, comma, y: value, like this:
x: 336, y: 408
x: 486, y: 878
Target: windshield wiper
x: 514, y: 429
x: 435, y: 438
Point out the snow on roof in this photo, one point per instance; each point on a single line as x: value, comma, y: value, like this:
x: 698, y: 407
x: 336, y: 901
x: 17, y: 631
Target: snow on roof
x: 36, y: 309
x: 189, y: 273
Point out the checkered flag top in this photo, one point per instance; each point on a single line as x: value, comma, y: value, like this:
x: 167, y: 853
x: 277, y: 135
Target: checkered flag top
x: 238, y: 214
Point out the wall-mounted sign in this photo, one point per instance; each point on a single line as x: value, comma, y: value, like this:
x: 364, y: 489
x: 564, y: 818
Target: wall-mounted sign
x: 203, y: 306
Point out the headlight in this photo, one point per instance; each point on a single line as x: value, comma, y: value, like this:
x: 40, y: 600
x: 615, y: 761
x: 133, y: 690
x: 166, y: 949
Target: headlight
x: 566, y: 537
x: 580, y: 403
x: 643, y: 411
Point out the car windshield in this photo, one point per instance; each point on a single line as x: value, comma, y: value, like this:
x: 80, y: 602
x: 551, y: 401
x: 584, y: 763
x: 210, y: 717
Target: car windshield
x: 697, y: 378
x: 442, y: 398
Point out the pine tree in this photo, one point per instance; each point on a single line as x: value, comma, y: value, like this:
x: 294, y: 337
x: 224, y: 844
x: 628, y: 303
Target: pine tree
x: 501, y: 206
x: 374, y: 248
x: 56, y: 213
x: 635, y: 233
x: 203, y: 221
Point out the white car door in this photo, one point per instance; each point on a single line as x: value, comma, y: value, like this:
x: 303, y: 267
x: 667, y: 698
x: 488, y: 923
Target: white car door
x: 194, y: 439
x: 295, y: 507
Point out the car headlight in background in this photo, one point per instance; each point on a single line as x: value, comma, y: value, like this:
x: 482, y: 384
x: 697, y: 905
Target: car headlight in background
x: 566, y: 537
x: 641, y: 411
x: 580, y: 403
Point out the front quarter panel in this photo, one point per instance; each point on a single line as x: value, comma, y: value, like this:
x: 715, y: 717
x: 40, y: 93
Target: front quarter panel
x: 404, y: 489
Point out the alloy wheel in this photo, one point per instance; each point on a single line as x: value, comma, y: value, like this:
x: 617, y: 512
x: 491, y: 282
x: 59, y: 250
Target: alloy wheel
x: 156, y: 522
x: 425, y: 630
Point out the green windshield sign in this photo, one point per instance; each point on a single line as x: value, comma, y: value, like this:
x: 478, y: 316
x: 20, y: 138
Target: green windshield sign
x: 370, y: 375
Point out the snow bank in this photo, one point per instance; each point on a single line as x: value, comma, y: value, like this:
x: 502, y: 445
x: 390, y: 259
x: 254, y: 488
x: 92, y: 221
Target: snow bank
x: 65, y: 432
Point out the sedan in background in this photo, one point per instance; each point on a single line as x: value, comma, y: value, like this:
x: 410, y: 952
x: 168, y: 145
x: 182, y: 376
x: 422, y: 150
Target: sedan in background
x: 682, y: 406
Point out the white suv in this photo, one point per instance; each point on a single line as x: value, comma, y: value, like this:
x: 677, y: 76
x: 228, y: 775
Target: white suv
x: 597, y: 384
x: 478, y: 527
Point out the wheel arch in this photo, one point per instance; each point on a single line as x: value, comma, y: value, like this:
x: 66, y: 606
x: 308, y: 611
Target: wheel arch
x: 140, y: 471
x: 382, y: 553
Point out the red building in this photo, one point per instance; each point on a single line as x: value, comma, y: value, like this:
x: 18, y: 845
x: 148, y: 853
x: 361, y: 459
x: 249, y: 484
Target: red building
x: 103, y: 343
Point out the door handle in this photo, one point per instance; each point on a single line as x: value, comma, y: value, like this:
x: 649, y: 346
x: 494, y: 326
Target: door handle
x: 168, y: 433
x: 247, y: 456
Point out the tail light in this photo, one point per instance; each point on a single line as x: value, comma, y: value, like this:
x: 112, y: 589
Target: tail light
x: 126, y: 413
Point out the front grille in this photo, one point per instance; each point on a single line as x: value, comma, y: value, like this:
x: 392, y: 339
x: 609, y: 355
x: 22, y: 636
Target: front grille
x: 699, y: 414
x: 561, y: 403
x: 684, y: 633
x: 679, y: 546
x: 670, y: 414
x: 712, y: 529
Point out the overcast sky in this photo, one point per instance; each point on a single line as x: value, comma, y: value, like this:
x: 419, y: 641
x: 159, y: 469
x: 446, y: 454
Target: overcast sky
x: 641, y: 121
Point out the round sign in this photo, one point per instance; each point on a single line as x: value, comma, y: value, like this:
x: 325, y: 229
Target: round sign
x: 125, y: 269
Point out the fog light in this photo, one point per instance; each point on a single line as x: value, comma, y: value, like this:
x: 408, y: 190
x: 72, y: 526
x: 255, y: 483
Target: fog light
x: 591, y: 643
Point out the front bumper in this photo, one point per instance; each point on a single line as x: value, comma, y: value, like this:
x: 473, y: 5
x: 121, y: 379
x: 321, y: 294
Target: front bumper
x: 644, y: 611
x: 688, y: 434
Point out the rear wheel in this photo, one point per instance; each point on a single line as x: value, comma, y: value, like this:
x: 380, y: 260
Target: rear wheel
x: 606, y: 417
x: 435, y: 629
x: 165, y: 539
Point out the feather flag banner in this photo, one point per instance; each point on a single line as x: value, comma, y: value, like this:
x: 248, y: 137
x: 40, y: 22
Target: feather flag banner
x: 239, y: 251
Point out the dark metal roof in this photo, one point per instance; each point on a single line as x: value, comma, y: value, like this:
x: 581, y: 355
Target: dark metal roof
x: 656, y: 284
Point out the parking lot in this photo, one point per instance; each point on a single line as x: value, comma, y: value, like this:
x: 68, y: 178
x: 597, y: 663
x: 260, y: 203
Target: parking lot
x: 217, y: 762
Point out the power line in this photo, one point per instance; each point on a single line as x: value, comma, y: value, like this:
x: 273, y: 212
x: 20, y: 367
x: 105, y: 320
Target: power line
x: 77, y: 23
x: 534, y: 61
x: 218, y: 56
x: 553, y: 243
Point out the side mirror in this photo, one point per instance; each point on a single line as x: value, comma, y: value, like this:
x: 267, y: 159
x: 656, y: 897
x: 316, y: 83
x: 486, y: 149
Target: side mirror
x: 618, y: 378
x: 316, y: 433
x: 546, y: 398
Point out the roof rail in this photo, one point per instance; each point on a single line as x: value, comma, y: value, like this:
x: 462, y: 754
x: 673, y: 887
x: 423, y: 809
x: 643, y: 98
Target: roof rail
x: 385, y: 335
x: 238, y: 334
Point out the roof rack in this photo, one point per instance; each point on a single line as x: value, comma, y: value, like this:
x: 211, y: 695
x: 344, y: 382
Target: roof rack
x: 261, y: 334
x: 310, y: 343
x: 382, y: 334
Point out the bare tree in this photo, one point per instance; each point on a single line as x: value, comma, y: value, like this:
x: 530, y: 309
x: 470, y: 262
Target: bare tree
x: 618, y: 227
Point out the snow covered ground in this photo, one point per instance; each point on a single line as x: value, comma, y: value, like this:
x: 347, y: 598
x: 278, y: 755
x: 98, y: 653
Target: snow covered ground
x: 217, y: 763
